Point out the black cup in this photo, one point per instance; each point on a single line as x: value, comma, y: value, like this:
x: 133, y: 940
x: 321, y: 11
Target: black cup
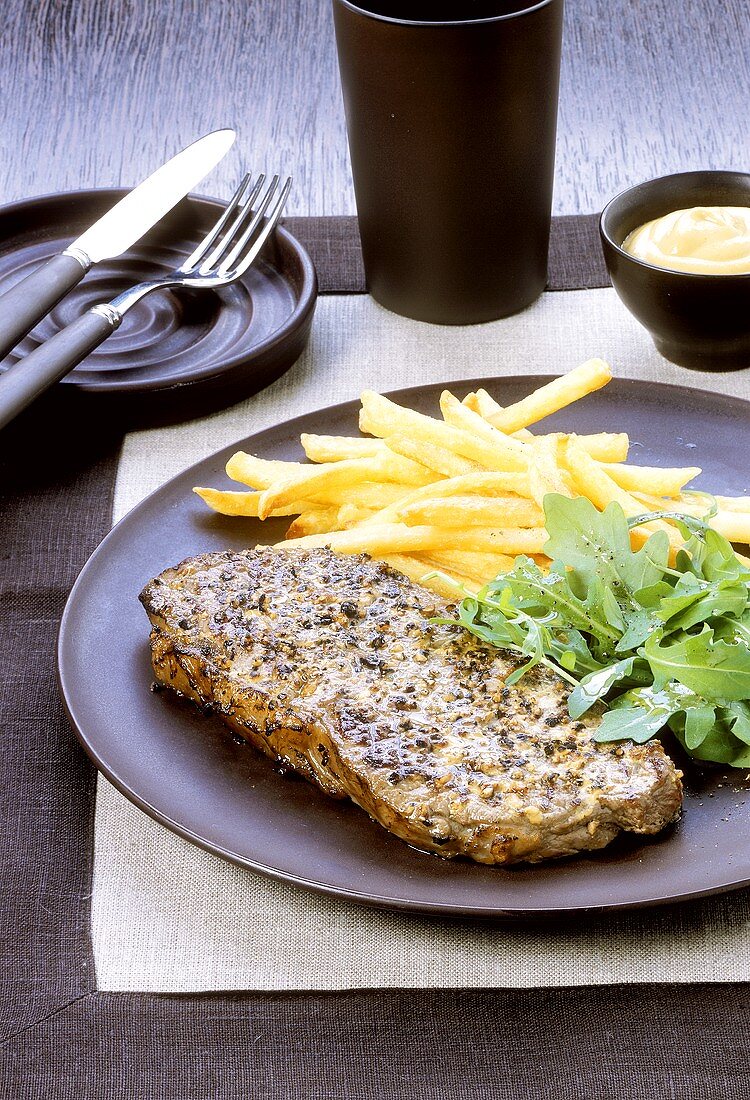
x: 696, y: 321
x: 451, y: 122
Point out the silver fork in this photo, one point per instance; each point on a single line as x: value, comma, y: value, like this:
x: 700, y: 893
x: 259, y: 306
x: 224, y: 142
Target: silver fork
x: 223, y: 256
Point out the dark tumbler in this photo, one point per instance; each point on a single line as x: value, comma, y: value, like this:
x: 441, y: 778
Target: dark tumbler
x: 451, y: 110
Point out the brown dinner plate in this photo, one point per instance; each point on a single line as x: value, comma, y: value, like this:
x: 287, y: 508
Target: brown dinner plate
x: 185, y: 769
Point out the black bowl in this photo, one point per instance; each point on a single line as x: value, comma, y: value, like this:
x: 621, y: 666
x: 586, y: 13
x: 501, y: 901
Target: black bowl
x: 697, y: 321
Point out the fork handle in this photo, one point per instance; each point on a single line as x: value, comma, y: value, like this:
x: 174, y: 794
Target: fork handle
x: 25, y: 380
x: 31, y: 299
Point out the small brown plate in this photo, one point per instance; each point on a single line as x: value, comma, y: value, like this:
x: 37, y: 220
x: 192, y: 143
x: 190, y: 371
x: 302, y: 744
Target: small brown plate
x: 185, y: 770
x: 187, y: 351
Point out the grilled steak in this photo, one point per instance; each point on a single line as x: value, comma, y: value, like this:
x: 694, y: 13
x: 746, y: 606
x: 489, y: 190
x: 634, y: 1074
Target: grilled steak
x: 331, y: 665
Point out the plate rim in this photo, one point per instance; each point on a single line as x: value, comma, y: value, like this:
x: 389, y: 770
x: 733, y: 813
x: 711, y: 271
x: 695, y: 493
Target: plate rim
x: 402, y: 904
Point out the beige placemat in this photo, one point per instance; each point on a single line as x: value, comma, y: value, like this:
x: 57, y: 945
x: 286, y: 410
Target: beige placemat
x: 167, y: 916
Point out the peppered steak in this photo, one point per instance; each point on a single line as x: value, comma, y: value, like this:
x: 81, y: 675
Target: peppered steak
x: 331, y: 665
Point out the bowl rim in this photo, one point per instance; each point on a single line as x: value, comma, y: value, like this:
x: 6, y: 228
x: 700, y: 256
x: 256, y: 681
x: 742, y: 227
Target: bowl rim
x: 697, y: 275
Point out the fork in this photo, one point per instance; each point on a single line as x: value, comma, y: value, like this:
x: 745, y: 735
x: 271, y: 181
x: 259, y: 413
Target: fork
x: 222, y: 257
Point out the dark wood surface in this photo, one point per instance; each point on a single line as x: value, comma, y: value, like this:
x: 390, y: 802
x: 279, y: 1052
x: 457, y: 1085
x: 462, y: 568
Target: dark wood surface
x: 99, y: 92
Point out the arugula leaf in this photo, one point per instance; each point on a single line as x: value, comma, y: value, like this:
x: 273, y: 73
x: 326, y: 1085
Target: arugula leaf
x: 730, y: 600
x: 646, y: 710
x: 640, y: 625
x: 717, y: 670
x: 720, y: 746
x: 720, y: 561
x: 738, y: 716
x: 596, y: 685
x: 612, y: 610
x: 496, y: 621
x: 733, y: 629
x: 628, y: 721
x: 596, y: 545
x: 570, y: 648
x: 695, y: 600
x: 706, y: 552
x: 650, y: 597
x: 699, y: 721
x: 540, y: 593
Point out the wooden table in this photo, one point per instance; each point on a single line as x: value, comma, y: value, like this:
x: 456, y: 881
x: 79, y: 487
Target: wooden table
x: 99, y: 92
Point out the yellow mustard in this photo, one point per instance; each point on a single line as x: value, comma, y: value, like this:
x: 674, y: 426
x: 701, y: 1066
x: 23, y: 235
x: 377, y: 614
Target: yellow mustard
x: 704, y: 240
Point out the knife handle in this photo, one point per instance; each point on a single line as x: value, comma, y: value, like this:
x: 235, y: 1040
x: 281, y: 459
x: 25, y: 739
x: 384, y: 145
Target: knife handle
x: 21, y: 383
x: 31, y: 299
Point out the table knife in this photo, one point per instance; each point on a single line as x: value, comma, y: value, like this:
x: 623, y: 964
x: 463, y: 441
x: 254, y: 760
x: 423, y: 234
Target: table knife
x: 125, y: 223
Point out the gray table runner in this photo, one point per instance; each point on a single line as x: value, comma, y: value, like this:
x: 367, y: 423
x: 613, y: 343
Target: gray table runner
x: 575, y: 258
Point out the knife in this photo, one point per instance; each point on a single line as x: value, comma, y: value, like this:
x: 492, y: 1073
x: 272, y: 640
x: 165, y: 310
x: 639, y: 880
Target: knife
x: 33, y: 297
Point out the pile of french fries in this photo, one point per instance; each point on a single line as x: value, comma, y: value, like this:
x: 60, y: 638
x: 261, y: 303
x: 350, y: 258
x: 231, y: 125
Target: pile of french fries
x: 454, y: 500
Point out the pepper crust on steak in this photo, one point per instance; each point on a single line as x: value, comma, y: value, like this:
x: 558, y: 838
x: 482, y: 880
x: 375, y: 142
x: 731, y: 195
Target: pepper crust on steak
x: 330, y: 664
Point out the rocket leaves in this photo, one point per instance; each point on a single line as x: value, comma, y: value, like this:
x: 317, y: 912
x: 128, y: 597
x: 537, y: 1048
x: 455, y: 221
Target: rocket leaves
x: 716, y: 670
x: 596, y: 546
x: 653, y: 643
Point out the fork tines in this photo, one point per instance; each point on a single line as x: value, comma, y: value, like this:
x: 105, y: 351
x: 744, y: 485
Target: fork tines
x: 234, y: 242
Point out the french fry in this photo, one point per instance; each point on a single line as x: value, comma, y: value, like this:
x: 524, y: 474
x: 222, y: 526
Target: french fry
x: 464, y: 494
x: 592, y: 481
x: 482, y: 567
x: 459, y: 416
x: 242, y: 504
x: 390, y: 538
x: 404, y: 471
x: 349, y: 515
x: 316, y: 521
x: 606, y: 446
x: 260, y: 472
x: 655, y: 480
x: 541, y: 560
x: 440, y: 459
x: 734, y: 526
x: 383, y: 418
x: 336, y: 448
x: 234, y: 504
x: 733, y: 522
x: 338, y: 477
x: 553, y: 396
x: 466, y: 511
x: 328, y: 477
x: 545, y: 475
x: 483, y: 482
x: 487, y: 407
x: 653, y: 503
x: 313, y: 521
x: 420, y: 572
x: 369, y: 496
